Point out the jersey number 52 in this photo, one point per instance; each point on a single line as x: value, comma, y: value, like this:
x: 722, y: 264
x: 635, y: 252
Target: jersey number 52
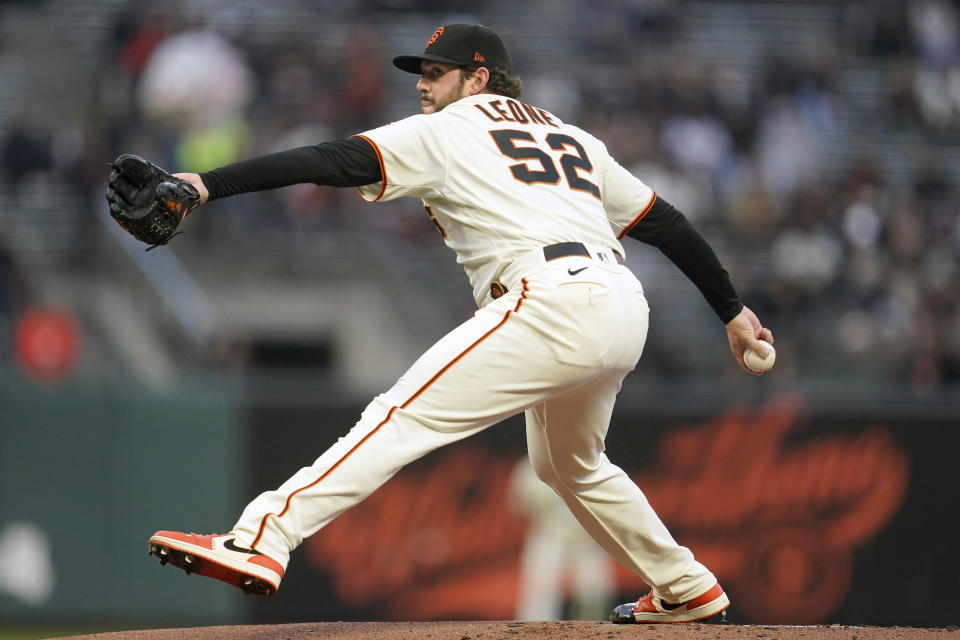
x: 572, y: 161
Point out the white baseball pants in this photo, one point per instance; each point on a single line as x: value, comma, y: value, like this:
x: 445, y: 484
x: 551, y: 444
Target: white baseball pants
x: 557, y: 347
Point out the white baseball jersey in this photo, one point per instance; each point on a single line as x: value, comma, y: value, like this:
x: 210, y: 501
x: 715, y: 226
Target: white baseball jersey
x: 501, y: 177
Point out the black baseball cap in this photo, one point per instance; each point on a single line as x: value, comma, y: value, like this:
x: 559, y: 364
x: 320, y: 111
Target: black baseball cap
x: 465, y: 45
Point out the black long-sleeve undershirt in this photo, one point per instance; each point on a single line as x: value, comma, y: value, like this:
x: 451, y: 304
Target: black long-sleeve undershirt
x: 354, y: 162
x: 669, y: 230
x: 342, y: 163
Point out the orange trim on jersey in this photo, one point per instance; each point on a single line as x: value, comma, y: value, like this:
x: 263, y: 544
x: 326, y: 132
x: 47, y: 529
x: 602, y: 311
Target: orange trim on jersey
x: 407, y: 402
x: 443, y: 232
x: 383, y: 171
x: 633, y: 223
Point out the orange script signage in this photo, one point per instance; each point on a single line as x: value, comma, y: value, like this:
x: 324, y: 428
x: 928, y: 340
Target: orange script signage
x: 775, y: 512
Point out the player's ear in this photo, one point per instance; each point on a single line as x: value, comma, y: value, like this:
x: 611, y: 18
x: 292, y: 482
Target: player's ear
x: 479, y: 80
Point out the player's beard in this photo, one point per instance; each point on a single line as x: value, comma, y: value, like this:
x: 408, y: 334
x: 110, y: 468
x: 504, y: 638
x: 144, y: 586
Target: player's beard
x: 438, y: 103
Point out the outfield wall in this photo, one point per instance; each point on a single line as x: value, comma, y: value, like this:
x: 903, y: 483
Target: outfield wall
x: 87, y: 474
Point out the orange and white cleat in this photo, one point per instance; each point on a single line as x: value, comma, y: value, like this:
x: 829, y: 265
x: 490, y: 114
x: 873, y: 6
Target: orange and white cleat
x: 219, y: 557
x: 650, y: 608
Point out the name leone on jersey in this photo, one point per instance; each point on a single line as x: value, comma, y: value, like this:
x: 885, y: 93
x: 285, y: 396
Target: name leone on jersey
x: 522, y: 113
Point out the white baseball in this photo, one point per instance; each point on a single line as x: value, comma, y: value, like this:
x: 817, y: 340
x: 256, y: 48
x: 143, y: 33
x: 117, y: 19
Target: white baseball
x: 756, y: 363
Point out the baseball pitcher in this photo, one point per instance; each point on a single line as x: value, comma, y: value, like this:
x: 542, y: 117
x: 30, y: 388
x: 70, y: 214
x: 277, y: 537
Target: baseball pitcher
x: 534, y: 209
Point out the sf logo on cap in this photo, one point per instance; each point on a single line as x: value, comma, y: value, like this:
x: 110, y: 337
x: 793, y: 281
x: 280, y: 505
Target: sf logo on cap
x: 436, y: 34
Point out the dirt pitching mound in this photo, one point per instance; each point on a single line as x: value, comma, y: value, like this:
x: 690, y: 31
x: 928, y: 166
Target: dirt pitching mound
x: 528, y: 631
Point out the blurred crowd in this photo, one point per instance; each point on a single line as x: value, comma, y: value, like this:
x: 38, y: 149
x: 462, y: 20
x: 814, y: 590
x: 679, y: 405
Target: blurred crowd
x: 852, y: 260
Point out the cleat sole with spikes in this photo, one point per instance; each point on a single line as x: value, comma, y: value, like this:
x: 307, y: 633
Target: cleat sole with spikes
x: 190, y: 563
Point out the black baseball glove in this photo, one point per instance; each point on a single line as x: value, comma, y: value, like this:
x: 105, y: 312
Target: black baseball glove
x: 147, y: 201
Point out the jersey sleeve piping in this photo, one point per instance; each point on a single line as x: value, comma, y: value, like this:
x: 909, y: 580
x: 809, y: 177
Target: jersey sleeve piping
x: 383, y: 171
x: 633, y: 223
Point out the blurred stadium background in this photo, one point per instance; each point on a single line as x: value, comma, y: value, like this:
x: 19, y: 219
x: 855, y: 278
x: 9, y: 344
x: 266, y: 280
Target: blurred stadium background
x: 816, y: 144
